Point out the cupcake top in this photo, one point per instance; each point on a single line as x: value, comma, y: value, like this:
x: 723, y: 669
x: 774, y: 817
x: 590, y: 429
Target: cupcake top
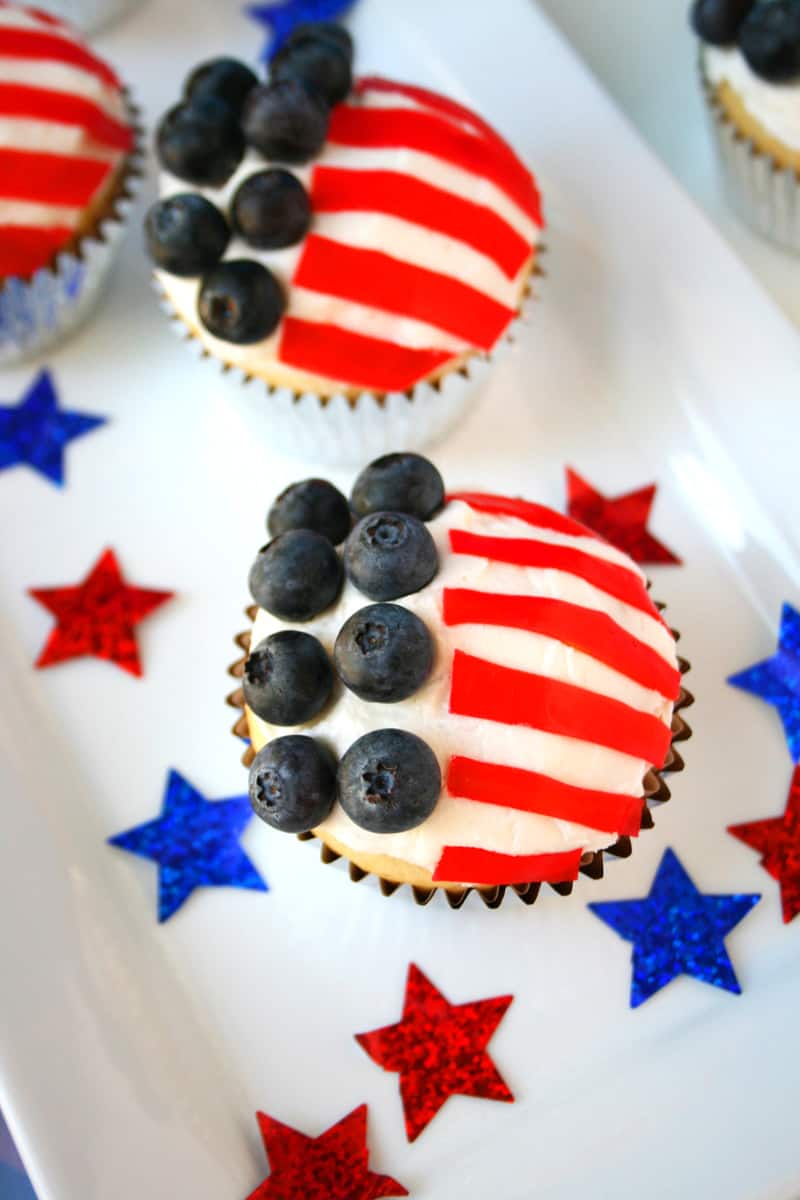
x: 330, y: 235
x: 480, y: 684
x: 64, y: 132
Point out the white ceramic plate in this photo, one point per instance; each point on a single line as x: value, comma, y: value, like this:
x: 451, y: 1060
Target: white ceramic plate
x: 133, y: 1056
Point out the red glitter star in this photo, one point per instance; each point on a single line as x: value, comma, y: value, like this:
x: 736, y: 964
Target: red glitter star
x: 778, y: 841
x: 332, y: 1166
x: 97, y: 617
x: 621, y: 520
x: 439, y: 1050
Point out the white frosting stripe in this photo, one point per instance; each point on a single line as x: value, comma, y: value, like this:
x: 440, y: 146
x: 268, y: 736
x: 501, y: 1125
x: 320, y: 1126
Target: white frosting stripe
x: 62, y: 77
x: 776, y: 106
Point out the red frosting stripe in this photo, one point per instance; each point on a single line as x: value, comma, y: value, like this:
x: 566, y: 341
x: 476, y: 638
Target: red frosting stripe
x: 373, y: 278
x: 493, y: 693
x: 465, y: 864
x: 63, y: 108
x: 528, y: 791
x: 585, y: 629
x: 366, y: 362
x: 31, y: 43
x: 50, y: 178
x: 525, y: 510
x: 24, y: 249
x: 335, y: 189
x: 436, y: 135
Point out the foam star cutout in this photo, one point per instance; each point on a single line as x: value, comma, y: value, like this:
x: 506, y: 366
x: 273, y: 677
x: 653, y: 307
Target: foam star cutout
x: 35, y: 432
x: 333, y: 1166
x: 280, y: 18
x: 196, y: 844
x: 97, y: 617
x: 439, y: 1050
x: 621, y: 520
x: 777, y: 679
x: 777, y: 839
x: 676, y: 930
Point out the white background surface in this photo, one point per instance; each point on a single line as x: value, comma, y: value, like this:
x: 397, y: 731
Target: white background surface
x: 132, y: 1056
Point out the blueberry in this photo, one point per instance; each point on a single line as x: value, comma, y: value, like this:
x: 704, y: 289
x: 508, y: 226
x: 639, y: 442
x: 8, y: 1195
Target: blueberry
x: 287, y: 678
x: 405, y: 483
x: 200, y: 142
x: 323, y: 31
x: 226, y: 79
x: 293, y: 783
x: 383, y: 653
x: 389, y: 781
x: 284, y: 121
x: 319, y: 65
x: 296, y: 575
x: 390, y: 554
x: 271, y: 209
x: 240, y: 301
x: 312, y: 504
x: 770, y: 40
x: 718, y: 21
x: 186, y: 234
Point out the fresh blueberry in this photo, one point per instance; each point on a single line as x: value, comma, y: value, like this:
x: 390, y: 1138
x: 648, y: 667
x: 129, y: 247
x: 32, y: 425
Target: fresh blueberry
x: 390, y: 554
x: 271, y: 209
x: 293, y: 783
x: 718, y: 21
x: 312, y: 504
x: 319, y: 65
x: 389, y: 781
x: 296, y: 575
x: 284, y: 121
x: 240, y: 301
x: 383, y: 653
x: 186, y: 234
x: 405, y: 483
x: 323, y: 31
x: 287, y: 678
x: 226, y: 79
x: 770, y: 40
x: 200, y: 142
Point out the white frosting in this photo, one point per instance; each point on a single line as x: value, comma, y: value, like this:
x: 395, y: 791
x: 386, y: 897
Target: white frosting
x: 457, y: 821
x: 776, y: 106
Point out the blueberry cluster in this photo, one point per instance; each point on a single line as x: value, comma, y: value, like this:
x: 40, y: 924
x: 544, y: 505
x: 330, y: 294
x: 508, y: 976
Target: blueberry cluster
x: 388, y: 780
x: 766, y: 31
x: 203, y: 139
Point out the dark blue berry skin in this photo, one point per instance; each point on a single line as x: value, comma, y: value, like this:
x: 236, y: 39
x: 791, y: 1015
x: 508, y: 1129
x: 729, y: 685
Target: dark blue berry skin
x: 390, y: 554
x: 323, y: 31
x: 717, y: 21
x: 389, y: 781
x: 240, y: 301
x: 319, y: 65
x: 405, y: 483
x: 383, y: 653
x: 271, y: 209
x: 770, y: 40
x: 285, y: 122
x: 293, y: 783
x: 225, y: 79
x: 186, y: 234
x: 287, y: 678
x: 296, y: 575
x: 200, y: 142
x: 311, y: 504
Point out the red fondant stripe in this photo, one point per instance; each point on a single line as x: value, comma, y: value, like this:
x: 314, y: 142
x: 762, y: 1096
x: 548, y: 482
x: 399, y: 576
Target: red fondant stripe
x: 63, y: 108
x: 435, y: 135
x: 502, y: 694
x: 609, y: 577
x: 528, y: 791
x: 586, y: 629
x: 335, y: 189
x: 373, y: 278
x: 50, y: 178
x: 525, y: 510
x: 465, y: 864
x: 352, y: 357
x: 24, y: 249
x: 31, y: 43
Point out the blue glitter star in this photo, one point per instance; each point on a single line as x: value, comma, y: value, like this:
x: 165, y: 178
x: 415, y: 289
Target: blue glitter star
x: 196, y: 844
x: 676, y: 930
x: 35, y: 431
x: 777, y: 679
x: 281, y: 18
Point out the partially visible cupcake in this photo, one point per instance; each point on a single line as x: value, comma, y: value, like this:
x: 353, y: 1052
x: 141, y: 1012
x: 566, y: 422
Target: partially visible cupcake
x: 340, y: 241
x: 67, y: 167
x: 750, y: 66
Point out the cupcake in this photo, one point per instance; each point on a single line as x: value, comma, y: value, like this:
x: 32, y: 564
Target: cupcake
x: 67, y: 166
x: 340, y: 242
x: 470, y: 691
x: 750, y: 67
